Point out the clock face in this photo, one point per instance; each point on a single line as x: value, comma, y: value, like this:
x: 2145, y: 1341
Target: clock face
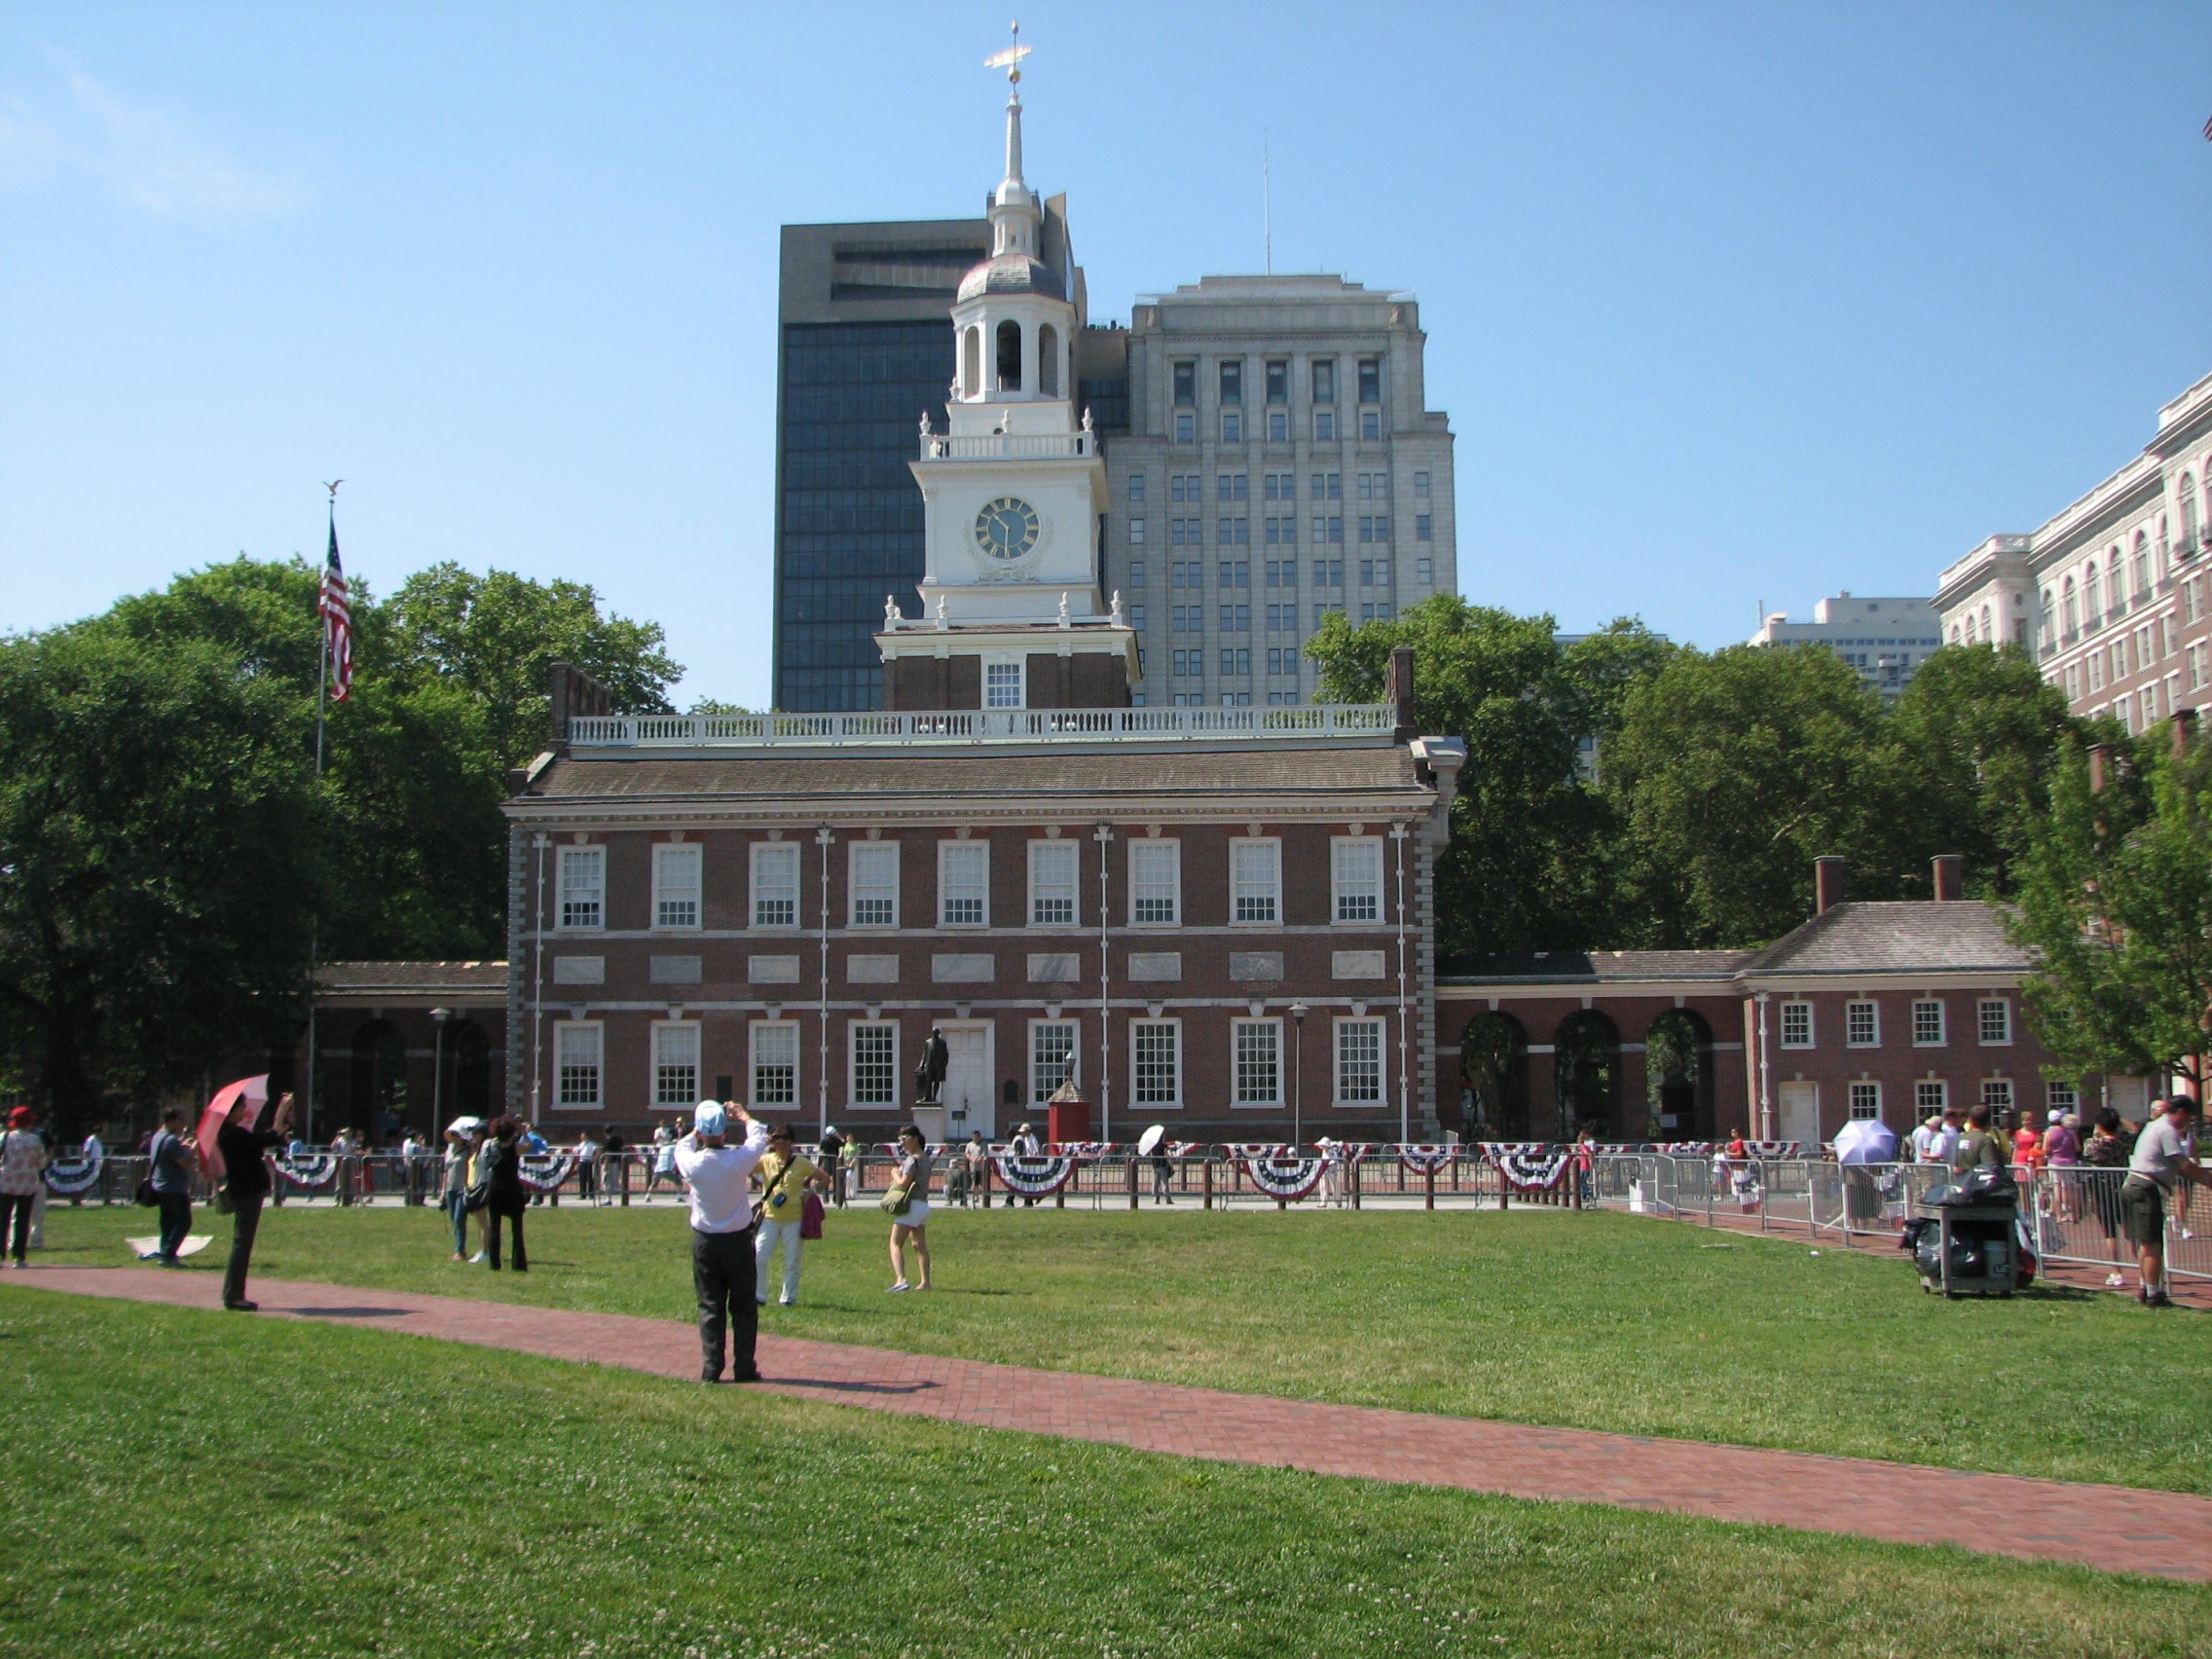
x: 1007, y: 528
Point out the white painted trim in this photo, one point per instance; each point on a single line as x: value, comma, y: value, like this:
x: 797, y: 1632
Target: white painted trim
x: 946, y: 852
x: 1139, y: 1107
x: 754, y: 893
x: 695, y: 854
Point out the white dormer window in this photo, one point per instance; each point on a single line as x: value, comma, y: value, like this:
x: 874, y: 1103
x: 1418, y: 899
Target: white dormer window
x: 1002, y: 685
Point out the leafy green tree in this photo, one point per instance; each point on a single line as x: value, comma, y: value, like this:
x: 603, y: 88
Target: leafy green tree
x: 2114, y: 894
x: 160, y: 843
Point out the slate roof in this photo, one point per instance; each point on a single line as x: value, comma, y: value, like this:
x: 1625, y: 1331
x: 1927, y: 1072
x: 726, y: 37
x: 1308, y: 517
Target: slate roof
x: 1589, y: 967
x: 1953, y: 937
x: 874, y: 775
x: 410, y: 979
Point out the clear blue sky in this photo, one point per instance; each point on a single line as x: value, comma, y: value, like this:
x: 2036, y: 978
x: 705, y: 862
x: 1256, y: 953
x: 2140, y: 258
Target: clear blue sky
x: 1725, y: 303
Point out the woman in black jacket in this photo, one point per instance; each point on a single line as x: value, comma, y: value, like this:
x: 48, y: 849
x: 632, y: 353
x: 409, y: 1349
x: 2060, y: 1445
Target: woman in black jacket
x: 246, y: 1151
x: 501, y: 1169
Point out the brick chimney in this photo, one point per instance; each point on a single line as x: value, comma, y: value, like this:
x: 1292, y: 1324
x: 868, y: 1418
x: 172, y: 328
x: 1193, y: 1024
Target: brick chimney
x: 574, y: 693
x: 1950, y: 877
x: 2185, y: 732
x: 1398, y: 688
x: 1828, y: 885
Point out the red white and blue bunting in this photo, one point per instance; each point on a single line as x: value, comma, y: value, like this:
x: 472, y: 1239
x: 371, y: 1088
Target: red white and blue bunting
x: 1531, y: 1171
x: 1426, y: 1158
x: 1685, y: 1149
x: 1495, y: 1150
x: 310, y: 1173
x: 1087, y: 1150
x: 1282, y: 1173
x: 1774, y: 1149
x: 1034, y: 1175
x: 72, y: 1177
x: 544, y: 1171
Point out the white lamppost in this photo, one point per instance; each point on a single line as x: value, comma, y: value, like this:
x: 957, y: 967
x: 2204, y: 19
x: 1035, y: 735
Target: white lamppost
x: 438, y: 1018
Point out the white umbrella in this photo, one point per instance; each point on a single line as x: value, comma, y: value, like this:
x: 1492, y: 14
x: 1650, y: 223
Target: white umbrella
x: 1148, y: 1143
x: 465, y: 1126
x: 1866, y: 1140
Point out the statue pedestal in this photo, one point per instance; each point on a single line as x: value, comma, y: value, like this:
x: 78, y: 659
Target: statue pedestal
x: 930, y: 1120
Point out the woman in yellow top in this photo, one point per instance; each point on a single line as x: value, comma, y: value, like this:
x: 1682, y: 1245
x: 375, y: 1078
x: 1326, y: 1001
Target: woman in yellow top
x: 785, y: 1177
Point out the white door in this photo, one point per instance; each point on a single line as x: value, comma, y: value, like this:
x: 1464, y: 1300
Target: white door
x: 1801, y: 1113
x: 967, y: 1094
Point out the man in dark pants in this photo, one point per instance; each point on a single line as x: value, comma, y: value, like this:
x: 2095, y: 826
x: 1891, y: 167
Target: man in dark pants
x: 244, y: 1153
x: 722, y: 1270
x: 172, y: 1185
x: 833, y: 1164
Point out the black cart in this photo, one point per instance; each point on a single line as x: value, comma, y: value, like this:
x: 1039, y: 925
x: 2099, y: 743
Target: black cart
x: 1978, y: 1251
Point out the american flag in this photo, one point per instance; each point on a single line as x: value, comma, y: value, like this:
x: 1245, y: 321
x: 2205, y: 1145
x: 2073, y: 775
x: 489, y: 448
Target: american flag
x: 337, y: 622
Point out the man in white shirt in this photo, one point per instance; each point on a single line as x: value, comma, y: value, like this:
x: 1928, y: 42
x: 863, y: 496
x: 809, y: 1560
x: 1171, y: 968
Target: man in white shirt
x: 720, y: 1177
x: 1924, y: 1139
x: 2161, y: 1164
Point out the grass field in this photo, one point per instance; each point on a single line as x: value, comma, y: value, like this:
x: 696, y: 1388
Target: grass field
x: 1587, y: 1320
x: 189, y: 1482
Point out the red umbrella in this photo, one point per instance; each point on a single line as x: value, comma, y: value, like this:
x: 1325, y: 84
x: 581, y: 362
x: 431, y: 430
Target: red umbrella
x: 250, y: 1094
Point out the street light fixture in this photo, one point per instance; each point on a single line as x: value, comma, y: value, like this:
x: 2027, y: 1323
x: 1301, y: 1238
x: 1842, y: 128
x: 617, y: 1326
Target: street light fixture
x: 438, y: 1018
x: 1297, y: 1012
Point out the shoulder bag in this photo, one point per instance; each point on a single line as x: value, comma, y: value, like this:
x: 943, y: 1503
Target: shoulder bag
x: 897, y: 1198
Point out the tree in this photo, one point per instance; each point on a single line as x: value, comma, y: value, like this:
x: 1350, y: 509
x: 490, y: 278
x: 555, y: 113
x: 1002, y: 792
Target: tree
x: 160, y: 845
x: 2115, y: 897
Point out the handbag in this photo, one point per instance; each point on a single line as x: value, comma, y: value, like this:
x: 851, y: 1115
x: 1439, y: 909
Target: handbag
x: 898, y: 1197
x: 476, y: 1196
x: 810, y: 1217
x: 144, y: 1195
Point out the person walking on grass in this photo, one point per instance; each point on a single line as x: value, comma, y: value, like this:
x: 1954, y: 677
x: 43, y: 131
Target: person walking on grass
x: 2158, y: 1177
x: 500, y: 1171
x: 724, y: 1265
x: 909, y: 1226
x: 22, y: 1156
x: 171, y: 1177
x: 785, y: 1179
x: 244, y: 1153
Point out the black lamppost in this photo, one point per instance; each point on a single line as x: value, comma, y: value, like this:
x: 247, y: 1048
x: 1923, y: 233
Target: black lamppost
x: 1297, y: 1012
x: 438, y: 1018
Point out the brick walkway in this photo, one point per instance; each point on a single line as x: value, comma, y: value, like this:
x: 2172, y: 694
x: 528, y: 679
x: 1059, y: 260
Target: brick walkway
x: 2112, y: 1527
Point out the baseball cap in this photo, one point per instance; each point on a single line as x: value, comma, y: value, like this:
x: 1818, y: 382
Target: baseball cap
x: 2056, y: 1116
x: 709, y: 1119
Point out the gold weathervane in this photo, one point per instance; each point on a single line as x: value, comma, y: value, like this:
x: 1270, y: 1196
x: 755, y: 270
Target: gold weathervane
x: 1010, y: 59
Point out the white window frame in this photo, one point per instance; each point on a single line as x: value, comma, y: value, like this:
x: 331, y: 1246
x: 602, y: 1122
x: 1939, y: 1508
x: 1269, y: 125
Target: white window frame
x: 761, y: 1037
x: 950, y: 855
x: 1922, y: 1009
x: 853, y: 1030
x: 1930, y: 1096
x: 1852, y: 1013
x: 1165, y: 851
x: 1271, y: 1031
x: 1044, y: 1080
x: 767, y: 891
x: 593, y: 920
x: 2001, y: 1007
x: 1864, y: 1097
x: 858, y: 853
x: 1139, y: 1031
x: 665, y: 1053
x: 1811, y: 1036
x: 2062, y: 1097
x: 580, y: 1030
x: 1340, y: 892
x: 1339, y: 1028
x: 1045, y: 888
x: 1999, y: 1095
x: 1255, y: 881
x: 666, y: 892
x: 1006, y: 670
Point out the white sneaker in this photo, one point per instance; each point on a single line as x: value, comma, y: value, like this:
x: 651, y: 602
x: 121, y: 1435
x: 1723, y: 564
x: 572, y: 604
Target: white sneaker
x: 478, y: 1257
x: 900, y: 1285
x: 2116, y: 1282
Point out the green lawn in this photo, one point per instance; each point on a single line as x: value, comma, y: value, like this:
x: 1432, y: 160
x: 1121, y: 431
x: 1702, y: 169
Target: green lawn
x: 190, y: 1483
x: 1591, y: 1321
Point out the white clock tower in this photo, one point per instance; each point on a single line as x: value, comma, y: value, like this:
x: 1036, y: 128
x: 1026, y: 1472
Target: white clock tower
x: 1013, y: 489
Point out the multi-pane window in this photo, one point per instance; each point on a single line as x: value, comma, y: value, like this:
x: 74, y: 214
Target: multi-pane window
x: 1280, y: 486
x: 1187, y: 573
x: 1282, y: 660
x: 1279, y: 532
x: 964, y: 883
x: 2064, y: 1097
x: 1256, y: 1047
x: 1325, y: 380
x: 1232, y: 425
x: 1155, y: 1061
x: 1255, y: 880
x: 1136, y: 487
x: 1280, y: 572
x: 1282, y: 619
x: 1278, y: 380
x: 1796, y: 1025
x: 1861, y: 1024
x: 1002, y: 686
x: 1357, y: 878
x: 1371, y: 380
x: 1051, y: 884
x: 1328, y: 487
x: 1994, y: 1020
x: 1238, y: 660
x: 1186, y: 487
x: 1235, y: 573
x: 1359, y: 1062
x: 1186, y: 664
x: 1374, y: 573
x: 1186, y: 428
x: 1328, y: 529
x: 876, y: 884
x: 675, y: 886
x: 775, y: 1064
x: 876, y: 1062
x: 775, y: 884
x: 1866, y: 1100
x: 1155, y: 882
x: 584, y: 887
x: 1997, y: 1095
x: 1420, y: 483
x: 1234, y: 533
x: 1236, y: 619
x: 1278, y: 425
x: 1232, y: 372
x: 1232, y: 487
x: 1370, y: 424
x: 676, y: 1063
x: 579, y: 1062
x: 1930, y: 1096
x: 1424, y: 572
x: 1187, y: 532
x: 1051, y: 1055
x: 1328, y: 572
x: 1186, y: 382
x: 1380, y: 613
x: 1927, y: 1023
x: 1136, y: 573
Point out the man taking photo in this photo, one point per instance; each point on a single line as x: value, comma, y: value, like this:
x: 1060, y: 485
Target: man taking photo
x: 722, y: 1235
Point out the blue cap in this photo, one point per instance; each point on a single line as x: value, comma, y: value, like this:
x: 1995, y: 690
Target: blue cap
x: 710, y: 1119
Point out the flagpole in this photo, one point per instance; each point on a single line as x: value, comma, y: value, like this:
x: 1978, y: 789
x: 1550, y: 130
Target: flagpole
x: 322, y: 703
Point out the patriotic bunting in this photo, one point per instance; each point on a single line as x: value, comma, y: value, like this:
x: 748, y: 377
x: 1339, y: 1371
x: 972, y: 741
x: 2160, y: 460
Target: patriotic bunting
x: 1034, y: 1175
x: 310, y: 1173
x: 1774, y: 1149
x: 1282, y: 1173
x: 543, y: 1172
x: 1426, y: 1158
x: 1531, y: 1171
x: 70, y: 1177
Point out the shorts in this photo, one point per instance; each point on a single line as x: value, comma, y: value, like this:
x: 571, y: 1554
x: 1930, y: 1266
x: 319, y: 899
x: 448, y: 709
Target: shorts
x: 918, y: 1215
x: 2144, y: 1204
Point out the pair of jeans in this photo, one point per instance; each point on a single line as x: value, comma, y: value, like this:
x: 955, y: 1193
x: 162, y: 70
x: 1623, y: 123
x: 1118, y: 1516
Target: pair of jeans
x: 176, y: 1222
x: 492, y: 1219
x: 457, y: 1212
x: 246, y: 1222
x: 722, y: 1271
x: 772, y: 1234
x: 19, y: 1204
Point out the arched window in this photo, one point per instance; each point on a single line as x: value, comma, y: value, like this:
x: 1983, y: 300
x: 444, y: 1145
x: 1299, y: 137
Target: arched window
x: 971, y: 362
x: 1010, y: 356
x: 2047, y: 619
x: 2142, y: 567
x: 2092, y: 594
x: 2069, y: 615
x: 1956, y: 635
x: 1049, y: 360
x: 1989, y: 634
x: 2188, y: 510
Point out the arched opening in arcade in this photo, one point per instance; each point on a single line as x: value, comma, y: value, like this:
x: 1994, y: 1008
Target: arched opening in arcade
x: 1586, y: 1076
x: 1679, y: 1079
x: 468, y: 1086
x: 377, y: 1103
x: 1493, y: 1071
